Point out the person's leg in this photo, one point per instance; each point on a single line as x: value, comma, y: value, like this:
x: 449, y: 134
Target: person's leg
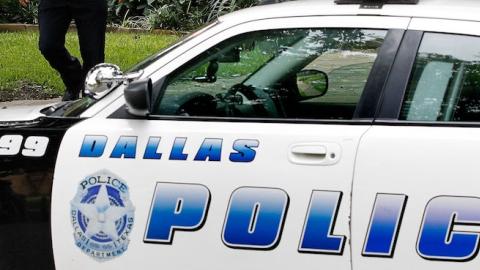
x: 91, y: 20
x: 54, y: 20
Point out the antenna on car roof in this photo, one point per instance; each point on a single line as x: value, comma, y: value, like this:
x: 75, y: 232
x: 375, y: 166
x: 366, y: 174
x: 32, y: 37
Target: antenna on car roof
x: 375, y: 3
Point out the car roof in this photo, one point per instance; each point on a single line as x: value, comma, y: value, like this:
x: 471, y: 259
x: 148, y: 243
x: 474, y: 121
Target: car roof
x: 468, y: 10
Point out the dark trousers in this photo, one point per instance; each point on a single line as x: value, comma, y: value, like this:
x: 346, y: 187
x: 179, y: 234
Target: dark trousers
x: 90, y: 17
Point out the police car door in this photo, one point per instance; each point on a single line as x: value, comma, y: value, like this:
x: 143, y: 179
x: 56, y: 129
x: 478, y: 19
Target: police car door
x: 246, y: 160
x: 415, y: 195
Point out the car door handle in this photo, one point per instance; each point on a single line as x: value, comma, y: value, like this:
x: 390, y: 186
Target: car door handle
x: 323, y: 154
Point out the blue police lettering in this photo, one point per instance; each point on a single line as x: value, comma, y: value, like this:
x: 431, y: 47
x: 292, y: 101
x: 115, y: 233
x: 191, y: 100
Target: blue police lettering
x: 319, y: 226
x: 384, y: 225
x: 438, y: 240
x: 255, y: 218
x: 176, y: 207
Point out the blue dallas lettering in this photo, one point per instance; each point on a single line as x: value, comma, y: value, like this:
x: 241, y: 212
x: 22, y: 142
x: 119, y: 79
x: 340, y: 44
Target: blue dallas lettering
x: 126, y: 147
x: 438, y: 240
x: 177, y: 149
x: 176, y: 207
x: 255, y: 218
x: 384, y: 225
x: 244, y: 153
x: 93, y: 146
x: 152, y: 148
x: 210, y: 149
x: 320, y: 223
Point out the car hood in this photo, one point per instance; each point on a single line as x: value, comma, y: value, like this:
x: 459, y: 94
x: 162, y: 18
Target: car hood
x: 14, y: 113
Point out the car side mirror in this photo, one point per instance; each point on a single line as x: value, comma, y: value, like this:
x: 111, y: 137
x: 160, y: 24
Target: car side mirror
x: 138, y: 95
x: 230, y: 56
x: 312, y: 83
x: 211, y: 75
x: 102, y: 76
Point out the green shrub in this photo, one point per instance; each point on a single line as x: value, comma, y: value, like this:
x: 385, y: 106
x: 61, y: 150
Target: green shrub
x: 174, y: 15
x: 177, y: 15
x: 12, y: 12
x: 166, y: 14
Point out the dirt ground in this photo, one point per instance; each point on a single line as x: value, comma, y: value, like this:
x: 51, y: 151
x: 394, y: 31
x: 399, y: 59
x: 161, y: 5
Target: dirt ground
x: 26, y: 91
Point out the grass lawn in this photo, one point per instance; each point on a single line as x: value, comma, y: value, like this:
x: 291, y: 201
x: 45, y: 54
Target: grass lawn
x: 21, y: 62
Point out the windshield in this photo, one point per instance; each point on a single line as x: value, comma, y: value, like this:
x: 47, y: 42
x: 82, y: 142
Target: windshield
x: 70, y: 108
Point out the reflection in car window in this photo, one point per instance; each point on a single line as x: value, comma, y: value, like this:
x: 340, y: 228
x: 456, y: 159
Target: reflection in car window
x: 154, y: 58
x: 295, y: 73
x: 445, y: 83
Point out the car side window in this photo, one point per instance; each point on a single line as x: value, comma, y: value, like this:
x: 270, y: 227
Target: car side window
x: 445, y: 82
x: 294, y: 73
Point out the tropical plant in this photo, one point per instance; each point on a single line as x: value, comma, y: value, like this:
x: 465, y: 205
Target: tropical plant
x: 221, y: 7
x: 145, y: 14
x: 137, y: 22
x: 175, y: 15
x: 12, y: 12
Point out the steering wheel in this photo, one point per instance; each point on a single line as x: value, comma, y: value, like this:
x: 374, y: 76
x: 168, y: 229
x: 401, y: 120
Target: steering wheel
x: 252, y: 102
x: 197, y: 104
x: 242, y: 100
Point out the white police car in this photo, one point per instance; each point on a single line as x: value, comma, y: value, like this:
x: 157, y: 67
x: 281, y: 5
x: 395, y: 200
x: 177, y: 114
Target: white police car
x: 300, y: 135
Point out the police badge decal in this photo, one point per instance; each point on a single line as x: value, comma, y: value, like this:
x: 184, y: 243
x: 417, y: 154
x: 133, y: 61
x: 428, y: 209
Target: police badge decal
x: 102, y: 216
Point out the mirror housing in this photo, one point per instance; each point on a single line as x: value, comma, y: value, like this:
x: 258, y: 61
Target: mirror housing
x: 211, y: 75
x: 138, y: 95
x: 230, y: 56
x: 102, y: 76
x: 312, y: 83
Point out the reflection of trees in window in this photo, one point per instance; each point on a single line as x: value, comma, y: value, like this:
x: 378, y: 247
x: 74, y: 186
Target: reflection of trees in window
x: 347, y: 39
x: 258, y: 48
x: 461, y: 99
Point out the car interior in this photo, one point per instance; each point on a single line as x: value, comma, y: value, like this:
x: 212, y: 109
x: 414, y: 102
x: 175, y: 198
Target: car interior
x: 300, y: 73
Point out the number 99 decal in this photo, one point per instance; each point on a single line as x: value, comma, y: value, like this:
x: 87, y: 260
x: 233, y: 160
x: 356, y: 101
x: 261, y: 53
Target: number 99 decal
x: 34, y: 146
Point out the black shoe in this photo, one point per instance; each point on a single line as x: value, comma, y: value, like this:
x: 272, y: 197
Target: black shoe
x: 70, y: 95
x: 72, y: 76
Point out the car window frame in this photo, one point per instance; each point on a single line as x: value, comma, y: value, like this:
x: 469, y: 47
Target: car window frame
x: 370, y: 98
x: 399, y: 78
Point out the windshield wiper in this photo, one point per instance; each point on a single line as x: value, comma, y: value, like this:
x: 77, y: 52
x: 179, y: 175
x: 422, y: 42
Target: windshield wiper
x: 55, y: 107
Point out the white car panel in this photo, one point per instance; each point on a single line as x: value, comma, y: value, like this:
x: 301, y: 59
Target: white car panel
x: 445, y: 26
x: 430, y: 167
x: 203, y: 248
x: 13, y: 113
x: 462, y: 10
x: 421, y: 163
